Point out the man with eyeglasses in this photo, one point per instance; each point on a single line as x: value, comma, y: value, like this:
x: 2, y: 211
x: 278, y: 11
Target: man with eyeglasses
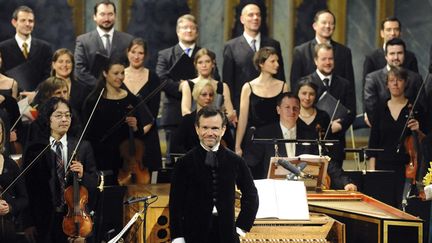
x: 51, y: 173
x: 104, y: 42
x: 187, y: 33
x: 204, y: 181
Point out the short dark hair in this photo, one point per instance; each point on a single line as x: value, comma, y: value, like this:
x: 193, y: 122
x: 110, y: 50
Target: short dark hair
x: 22, y: 8
x: 105, y: 2
x: 399, y: 72
x: 395, y: 42
x: 288, y: 95
x: 391, y: 19
x: 262, y: 55
x: 317, y: 14
x: 210, y: 111
x: 320, y: 46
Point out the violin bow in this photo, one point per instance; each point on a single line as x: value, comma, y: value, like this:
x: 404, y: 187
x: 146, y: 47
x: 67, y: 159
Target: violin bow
x: 410, y: 114
x: 143, y: 101
x: 84, y: 130
x: 331, y: 119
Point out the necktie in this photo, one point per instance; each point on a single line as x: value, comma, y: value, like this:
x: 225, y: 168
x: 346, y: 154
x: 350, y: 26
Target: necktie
x: 211, y: 159
x: 187, y: 51
x: 25, y: 50
x: 107, y: 44
x: 60, y: 173
x: 326, y: 82
x: 253, y: 45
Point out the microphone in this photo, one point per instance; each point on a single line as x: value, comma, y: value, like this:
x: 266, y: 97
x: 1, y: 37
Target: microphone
x: 252, y: 131
x: 300, y: 167
x: 291, y: 168
x: 139, y: 199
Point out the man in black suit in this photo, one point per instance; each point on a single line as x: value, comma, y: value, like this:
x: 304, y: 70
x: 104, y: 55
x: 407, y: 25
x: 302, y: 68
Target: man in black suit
x: 46, y: 179
x: 340, y: 88
x: 391, y: 28
x: 375, y: 89
x: 93, y: 48
x: 258, y: 155
x: 187, y: 33
x: 202, y: 196
x: 25, y: 58
x: 303, y: 58
x: 238, y: 67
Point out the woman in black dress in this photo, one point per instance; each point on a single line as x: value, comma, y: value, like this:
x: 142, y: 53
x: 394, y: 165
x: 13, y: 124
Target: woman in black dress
x: 258, y: 98
x: 13, y: 201
x: 391, y: 118
x: 110, y: 126
x: 141, y: 81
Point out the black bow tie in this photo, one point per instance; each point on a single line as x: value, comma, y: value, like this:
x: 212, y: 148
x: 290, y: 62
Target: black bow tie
x: 211, y: 159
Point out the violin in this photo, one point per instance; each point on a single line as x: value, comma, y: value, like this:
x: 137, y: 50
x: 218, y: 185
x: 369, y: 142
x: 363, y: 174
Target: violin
x: 132, y: 171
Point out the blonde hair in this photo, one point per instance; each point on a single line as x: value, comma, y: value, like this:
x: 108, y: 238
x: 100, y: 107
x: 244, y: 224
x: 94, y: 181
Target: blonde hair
x: 200, y: 85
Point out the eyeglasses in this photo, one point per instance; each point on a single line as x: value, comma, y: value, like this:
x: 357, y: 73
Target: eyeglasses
x: 187, y: 27
x: 59, y: 116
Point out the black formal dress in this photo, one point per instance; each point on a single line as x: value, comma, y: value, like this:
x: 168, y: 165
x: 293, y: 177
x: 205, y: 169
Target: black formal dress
x: 16, y: 196
x: 303, y: 62
x: 27, y: 72
x: 385, y: 134
x: 152, y: 151
x: 43, y: 188
x: 340, y: 90
x: 238, y: 67
x: 185, y: 136
x: 196, y: 189
x: 105, y: 137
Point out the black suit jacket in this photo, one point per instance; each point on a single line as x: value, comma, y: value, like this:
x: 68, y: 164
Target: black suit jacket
x: 192, y: 193
x: 376, y: 60
x: 41, y: 181
x: 238, y: 67
x: 171, y: 112
x: 303, y: 62
x: 258, y: 155
x: 341, y: 90
x: 88, y: 45
x: 27, y: 72
x: 376, y: 92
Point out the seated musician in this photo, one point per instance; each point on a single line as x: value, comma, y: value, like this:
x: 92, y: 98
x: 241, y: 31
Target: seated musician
x: 258, y: 155
x: 48, y: 177
x: 14, y: 200
x: 185, y: 137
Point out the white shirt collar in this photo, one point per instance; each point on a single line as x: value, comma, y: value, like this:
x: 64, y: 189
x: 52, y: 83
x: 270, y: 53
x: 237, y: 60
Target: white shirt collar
x: 101, y: 32
x: 214, y: 149
x: 63, y: 141
x: 322, y: 76
x: 183, y: 47
x: 21, y: 41
x: 291, y: 131
x: 250, y: 38
x: 319, y: 42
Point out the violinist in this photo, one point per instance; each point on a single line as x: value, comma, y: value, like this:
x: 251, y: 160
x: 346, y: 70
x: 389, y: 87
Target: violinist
x: 14, y: 200
x: 390, y: 120
x: 48, y: 177
x: 111, y: 124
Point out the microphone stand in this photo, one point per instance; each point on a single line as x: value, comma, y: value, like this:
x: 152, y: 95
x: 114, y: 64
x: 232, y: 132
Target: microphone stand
x: 362, y: 156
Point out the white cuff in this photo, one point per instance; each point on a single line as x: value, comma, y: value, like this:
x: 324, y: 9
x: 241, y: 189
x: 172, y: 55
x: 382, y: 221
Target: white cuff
x: 239, y: 231
x: 179, y: 240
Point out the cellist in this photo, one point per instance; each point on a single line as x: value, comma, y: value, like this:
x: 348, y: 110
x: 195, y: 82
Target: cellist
x: 391, y: 118
x: 50, y: 174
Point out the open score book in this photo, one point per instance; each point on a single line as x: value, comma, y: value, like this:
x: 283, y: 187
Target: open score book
x: 282, y: 199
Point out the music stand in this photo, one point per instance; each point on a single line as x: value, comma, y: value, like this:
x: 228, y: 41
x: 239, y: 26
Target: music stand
x: 362, y: 156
